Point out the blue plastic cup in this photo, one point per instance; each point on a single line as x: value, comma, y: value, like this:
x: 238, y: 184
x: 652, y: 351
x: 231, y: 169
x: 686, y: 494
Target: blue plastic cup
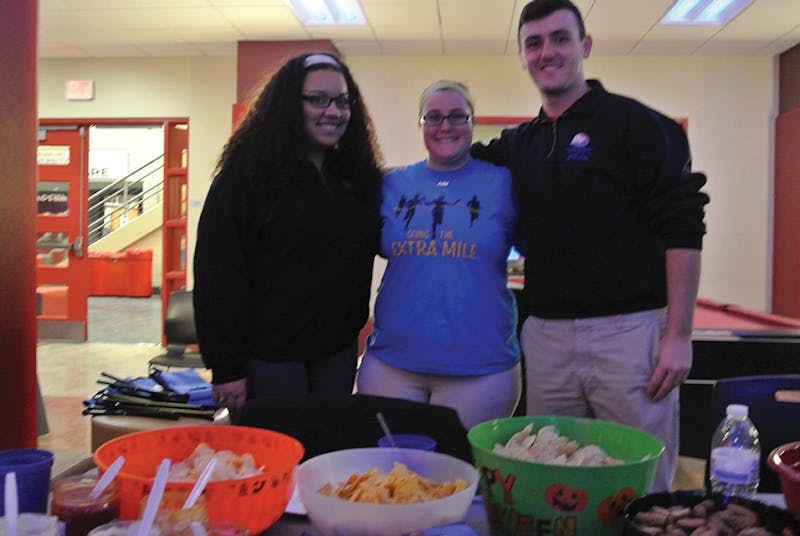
x: 409, y: 441
x: 32, y: 468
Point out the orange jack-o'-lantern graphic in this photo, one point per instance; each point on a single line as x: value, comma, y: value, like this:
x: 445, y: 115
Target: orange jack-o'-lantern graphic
x: 565, y: 499
x: 611, y: 508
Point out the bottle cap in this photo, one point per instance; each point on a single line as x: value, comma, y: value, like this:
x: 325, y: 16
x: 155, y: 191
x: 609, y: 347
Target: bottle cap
x: 737, y: 410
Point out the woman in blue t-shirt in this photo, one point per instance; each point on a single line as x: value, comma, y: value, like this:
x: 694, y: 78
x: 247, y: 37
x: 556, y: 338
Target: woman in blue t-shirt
x: 445, y: 323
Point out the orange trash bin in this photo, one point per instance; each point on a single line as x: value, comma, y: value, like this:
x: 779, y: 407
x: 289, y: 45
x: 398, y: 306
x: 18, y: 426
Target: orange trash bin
x: 121, y: 274
x: 140, y: 272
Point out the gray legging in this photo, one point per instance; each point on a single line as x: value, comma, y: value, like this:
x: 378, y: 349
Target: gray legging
x: 330, y: 374
x: 475, y: 398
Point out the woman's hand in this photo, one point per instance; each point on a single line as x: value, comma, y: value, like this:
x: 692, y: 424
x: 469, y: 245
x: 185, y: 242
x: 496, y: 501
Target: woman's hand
x: 231, y: 395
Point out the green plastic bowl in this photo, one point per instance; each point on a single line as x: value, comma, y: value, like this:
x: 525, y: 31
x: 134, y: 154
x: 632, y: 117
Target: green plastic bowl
x: 523, y: 497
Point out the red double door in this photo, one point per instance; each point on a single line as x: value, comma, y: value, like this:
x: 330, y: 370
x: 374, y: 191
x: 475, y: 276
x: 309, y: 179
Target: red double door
x: 61, y: 230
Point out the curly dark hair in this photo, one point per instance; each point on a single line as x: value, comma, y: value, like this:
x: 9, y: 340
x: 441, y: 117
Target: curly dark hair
x: 268, y: 147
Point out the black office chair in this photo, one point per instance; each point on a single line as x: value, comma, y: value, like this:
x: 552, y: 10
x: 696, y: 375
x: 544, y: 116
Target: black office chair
x: 324, y: 423
x: 179, y: 331
x: 772, y: 411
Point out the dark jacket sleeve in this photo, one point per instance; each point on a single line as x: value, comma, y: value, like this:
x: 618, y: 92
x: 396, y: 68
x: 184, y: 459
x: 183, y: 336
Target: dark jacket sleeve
x: 221, y: 280
x: 670, y: 191
x: 498, y: 151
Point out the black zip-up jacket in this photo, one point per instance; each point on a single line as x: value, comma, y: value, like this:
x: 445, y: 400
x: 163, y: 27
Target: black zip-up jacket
x: 604, y: 191
x: 281, y: 280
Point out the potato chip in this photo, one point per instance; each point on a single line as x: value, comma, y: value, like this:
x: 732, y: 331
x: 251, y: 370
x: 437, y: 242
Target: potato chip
x: 400, y: 485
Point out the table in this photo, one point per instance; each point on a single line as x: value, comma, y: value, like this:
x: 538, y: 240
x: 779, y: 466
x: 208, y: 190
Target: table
x: 292, y: 525
x: 710, y: 315
x: 297, y: 525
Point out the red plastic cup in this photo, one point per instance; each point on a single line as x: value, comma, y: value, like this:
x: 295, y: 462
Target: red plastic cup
x: 785, y: 461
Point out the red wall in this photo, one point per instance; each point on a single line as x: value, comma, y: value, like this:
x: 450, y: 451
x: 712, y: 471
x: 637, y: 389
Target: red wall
x: 18, y: 224
x: 786, y: 222
x: 789, y: 80
x: 258, y: 60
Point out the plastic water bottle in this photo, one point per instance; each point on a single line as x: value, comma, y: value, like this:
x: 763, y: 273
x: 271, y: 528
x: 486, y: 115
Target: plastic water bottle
x: 735, y: 454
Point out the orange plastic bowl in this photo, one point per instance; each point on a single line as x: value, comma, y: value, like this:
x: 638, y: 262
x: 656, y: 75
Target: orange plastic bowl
x: 254, y: 502
x: 785, y: 460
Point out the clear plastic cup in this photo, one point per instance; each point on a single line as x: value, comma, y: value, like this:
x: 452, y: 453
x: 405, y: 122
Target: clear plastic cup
x: 71, y: 503
x: 118, y: 528
x: 31, y: 524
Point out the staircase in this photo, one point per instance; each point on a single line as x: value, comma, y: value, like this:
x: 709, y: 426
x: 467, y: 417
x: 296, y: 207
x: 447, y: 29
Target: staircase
x: 127, y: 209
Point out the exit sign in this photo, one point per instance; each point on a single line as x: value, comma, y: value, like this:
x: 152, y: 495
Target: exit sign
x: 79, y: 89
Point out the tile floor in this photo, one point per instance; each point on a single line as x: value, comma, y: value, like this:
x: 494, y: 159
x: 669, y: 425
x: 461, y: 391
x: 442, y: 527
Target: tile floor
x: 123, y: 333
x: 122, y: 342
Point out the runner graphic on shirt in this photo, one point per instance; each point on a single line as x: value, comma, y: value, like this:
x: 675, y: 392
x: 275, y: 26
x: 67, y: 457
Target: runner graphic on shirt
x: 411, y: 208
x: 399, y: 208
x: 438, y: 211
x: 474, y: 209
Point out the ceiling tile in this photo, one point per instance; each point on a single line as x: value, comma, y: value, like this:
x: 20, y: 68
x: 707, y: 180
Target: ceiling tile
x: 340, y: 32
x: 355, y: 47
x: 402, y: 13
x: 420, y: 47
x: 460, y: 47
x: 402, y: 27
x: 254, y: 16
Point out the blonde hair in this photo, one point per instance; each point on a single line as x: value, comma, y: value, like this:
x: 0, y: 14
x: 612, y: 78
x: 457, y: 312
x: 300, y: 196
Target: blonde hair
x: 445, y: 85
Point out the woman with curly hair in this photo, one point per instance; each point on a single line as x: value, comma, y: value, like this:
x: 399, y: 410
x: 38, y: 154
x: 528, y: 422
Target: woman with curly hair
x: 287, y: 238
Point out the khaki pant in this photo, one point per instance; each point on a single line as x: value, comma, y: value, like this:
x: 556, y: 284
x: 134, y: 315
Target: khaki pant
x: 599, y: 368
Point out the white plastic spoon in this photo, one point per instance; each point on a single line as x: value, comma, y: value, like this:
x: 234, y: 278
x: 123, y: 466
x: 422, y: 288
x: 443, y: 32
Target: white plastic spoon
x: 154, y: 500
x: 11, y: 503
x: 198, y: 529
x: 386, y: 430
x: 107, y: 478
x: 200, y: 485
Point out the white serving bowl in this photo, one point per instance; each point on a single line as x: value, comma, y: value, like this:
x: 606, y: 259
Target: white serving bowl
x: 338, y: 517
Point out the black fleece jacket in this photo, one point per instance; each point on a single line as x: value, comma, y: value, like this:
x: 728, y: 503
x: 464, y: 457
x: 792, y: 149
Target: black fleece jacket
x: 604, y: 191
x: 284, y: 279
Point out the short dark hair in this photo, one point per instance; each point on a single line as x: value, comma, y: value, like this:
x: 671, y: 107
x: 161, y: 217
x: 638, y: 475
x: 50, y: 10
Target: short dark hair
x: 539, y: 9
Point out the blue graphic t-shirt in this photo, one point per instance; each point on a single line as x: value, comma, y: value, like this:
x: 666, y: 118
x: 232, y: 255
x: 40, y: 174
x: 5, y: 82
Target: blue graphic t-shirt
x: 443, y: 306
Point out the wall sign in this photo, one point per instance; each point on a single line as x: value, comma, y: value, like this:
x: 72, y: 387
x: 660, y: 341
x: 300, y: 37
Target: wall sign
x: 52, y: 155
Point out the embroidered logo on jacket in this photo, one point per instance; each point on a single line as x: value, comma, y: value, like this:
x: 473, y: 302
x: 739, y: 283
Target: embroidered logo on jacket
x: 579, y: 148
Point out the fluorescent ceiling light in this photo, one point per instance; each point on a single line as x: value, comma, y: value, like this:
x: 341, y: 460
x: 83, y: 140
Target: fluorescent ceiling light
x: 327, y: 12
x: 709, y: 12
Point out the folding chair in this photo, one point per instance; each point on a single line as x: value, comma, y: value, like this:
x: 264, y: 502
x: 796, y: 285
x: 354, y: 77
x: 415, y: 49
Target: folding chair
x: 180, y: 333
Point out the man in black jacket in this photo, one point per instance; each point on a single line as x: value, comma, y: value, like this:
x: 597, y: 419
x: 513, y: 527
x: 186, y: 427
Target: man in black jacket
x: 612, y: 219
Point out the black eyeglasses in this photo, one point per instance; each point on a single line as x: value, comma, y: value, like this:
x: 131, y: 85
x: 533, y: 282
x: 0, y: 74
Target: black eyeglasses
x: 435, y: 118
x: 323, y: 100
